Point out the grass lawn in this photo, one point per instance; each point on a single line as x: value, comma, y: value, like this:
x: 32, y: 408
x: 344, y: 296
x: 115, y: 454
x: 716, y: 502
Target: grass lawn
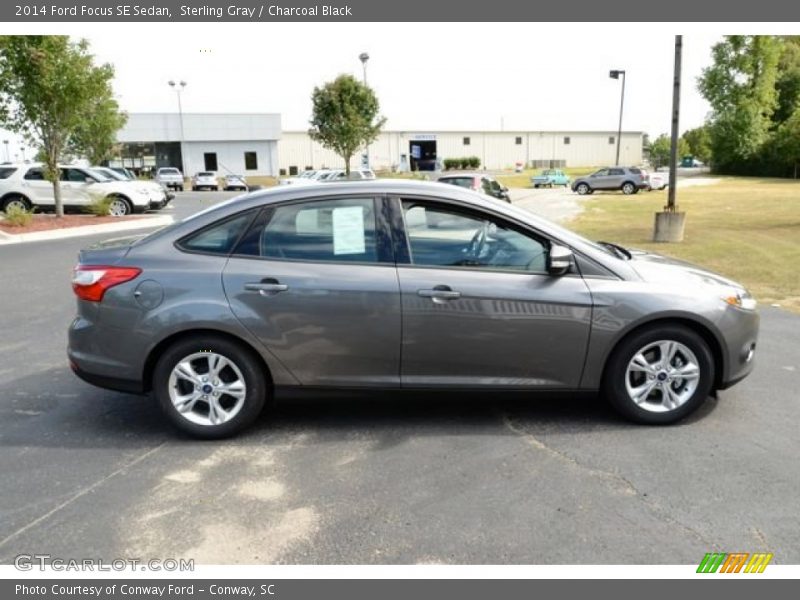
x: 745, y: 228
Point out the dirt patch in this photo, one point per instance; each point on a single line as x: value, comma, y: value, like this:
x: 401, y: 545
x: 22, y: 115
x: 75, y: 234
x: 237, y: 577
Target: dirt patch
x: 51, y: 222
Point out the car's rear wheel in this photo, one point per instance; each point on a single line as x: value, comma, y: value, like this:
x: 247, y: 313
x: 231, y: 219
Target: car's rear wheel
x: 119, y: 206
x: 583, y: 189
x: 659, y: 375
x: 16, y: 201
x: 209, y: 386
x: 628, y: 188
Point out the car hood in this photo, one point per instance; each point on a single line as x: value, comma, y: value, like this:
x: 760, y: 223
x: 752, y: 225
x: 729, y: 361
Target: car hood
x: 657, y: 268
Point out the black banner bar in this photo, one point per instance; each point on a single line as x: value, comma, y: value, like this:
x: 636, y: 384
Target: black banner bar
x: 401, y: 10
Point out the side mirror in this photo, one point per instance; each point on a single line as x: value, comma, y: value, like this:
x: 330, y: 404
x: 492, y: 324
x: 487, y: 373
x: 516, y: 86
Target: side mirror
x: 504, y: 189
x: 88, y: 180
x: 559, y: 260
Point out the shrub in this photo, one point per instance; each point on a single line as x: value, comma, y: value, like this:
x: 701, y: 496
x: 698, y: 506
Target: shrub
x: 18, y: 217
x: 450, y: 163
x: 100, y: 206
x: 474, y: 162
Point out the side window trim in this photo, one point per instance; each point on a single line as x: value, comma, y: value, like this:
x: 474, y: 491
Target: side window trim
x: 383, y: 235
x: 473, y: 213
x: 179, y: 243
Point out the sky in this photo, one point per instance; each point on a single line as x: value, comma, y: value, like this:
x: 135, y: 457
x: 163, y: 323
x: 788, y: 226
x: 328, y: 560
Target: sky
x: 428, y: 76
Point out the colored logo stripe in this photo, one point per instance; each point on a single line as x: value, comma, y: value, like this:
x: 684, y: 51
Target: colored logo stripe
x: 735, y: 562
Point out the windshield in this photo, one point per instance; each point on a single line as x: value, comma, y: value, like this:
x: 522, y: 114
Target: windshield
x: 100, y: 175
x: 205, y: 174
x: 168, y: 171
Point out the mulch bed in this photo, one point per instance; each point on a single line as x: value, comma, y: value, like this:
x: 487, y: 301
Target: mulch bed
x: 50, y: 222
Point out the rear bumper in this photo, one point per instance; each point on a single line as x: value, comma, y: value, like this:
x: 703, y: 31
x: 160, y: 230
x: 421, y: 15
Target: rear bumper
x: 128, y: 386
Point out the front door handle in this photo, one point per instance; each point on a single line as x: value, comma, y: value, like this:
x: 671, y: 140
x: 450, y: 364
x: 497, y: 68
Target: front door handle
x: 440, y: 294
x: 266, y: 287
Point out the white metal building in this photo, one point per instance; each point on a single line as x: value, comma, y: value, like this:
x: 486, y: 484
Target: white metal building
x: 496, y: 149
x: 245, y: 144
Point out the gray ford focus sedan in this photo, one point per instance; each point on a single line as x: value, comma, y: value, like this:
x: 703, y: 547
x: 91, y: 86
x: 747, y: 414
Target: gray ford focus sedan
x: 397, y: 285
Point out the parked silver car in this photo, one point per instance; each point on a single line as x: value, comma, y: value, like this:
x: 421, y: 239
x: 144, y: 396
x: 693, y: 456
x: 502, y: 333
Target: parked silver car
x: 170, y: 177
x: 629, y: 180
x: 397, y: 284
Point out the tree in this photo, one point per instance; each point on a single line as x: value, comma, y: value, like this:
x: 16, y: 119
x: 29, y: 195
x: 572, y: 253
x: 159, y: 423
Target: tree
x: 741, y: 88
x: 96, y: 137
x: 49, y: 87
x: 345, y: 116
x: 698, y: 143
x: 660, y: 149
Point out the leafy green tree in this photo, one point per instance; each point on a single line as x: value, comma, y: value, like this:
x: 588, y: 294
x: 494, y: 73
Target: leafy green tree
x: 49, y: 87
x: 345, y: 116
x: 698, y: 143
x: 96, y: 137
x: 741, y: 87
x: 660, y: 149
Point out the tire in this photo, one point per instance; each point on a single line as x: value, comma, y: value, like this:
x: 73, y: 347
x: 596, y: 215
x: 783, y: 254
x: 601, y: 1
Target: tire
x: 16, y: 200
x: 236, y: 412
x: 668, y: 398
x: 583, y: 189
x: 120, y: 206
x: 628, y: 188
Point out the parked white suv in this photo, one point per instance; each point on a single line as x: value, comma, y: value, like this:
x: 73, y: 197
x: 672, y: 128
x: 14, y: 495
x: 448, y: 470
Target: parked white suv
x: 24, y: 185
x: 170, y: 178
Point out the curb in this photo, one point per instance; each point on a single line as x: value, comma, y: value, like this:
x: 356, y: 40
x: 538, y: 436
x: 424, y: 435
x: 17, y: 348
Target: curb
x: 59, y: 234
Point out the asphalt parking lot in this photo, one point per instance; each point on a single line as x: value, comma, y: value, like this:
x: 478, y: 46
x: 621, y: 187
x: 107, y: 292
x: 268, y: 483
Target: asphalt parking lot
x: 379, y: 479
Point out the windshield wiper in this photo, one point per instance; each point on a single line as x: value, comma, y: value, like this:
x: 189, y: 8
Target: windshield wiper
x: 617, y: 249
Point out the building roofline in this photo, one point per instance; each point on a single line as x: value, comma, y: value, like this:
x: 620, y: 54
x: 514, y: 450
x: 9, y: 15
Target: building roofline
x: 508, y: 131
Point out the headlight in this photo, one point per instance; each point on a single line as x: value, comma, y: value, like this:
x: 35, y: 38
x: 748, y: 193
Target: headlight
x: 741, y: 300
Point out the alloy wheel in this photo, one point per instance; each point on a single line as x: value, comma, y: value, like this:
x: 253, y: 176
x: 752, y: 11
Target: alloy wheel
x: 207, y: 388
x: 662, y: 376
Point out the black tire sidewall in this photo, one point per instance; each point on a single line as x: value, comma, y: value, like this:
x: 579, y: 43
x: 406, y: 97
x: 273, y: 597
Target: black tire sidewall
x: 614, y: 376
x: 245, y: 360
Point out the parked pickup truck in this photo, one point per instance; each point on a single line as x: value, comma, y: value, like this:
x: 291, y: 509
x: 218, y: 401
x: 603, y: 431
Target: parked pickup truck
x: 170, y: 178
x: 549, y: 178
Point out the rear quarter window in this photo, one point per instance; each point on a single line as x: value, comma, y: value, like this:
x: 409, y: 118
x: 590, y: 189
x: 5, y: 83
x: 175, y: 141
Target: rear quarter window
x: 6, y: 172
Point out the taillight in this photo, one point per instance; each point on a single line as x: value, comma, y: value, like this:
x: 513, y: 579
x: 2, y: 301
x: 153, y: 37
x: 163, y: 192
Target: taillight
x: 90, y: 282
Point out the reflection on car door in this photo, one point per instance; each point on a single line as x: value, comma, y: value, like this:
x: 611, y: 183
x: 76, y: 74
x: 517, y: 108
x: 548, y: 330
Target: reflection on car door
x: 615, y: 179
x: 479, y: 308
x: 599, y: 180
x: 315, y: 281
x: 75, y: 190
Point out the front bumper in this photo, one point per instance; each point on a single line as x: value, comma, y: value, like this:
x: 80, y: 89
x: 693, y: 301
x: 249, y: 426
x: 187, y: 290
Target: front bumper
x: 739, y: 329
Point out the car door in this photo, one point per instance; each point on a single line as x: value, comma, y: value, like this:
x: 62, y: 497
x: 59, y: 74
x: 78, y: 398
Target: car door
x: 75, y: 189
x: 480, y: 309
x: 599, y: 180
x: 315, y: 281
x: 615, y: 178
x: 38, y: 189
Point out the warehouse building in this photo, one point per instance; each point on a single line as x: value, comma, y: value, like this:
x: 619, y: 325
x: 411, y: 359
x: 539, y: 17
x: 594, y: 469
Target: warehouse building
x: 244, y: 144
x: 425, y: 150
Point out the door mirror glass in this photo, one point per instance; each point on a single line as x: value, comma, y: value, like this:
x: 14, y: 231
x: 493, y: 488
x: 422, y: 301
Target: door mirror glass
x: 559, y: 260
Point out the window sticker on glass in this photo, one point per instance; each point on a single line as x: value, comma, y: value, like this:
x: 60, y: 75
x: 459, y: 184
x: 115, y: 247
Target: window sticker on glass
x: 348, y: 230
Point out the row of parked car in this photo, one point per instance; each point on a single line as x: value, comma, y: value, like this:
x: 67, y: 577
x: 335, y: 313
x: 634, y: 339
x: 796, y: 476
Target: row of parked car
x: 172, y: 179
x: 629, y: 180
x: 319, y: 175
x: 25, y: 186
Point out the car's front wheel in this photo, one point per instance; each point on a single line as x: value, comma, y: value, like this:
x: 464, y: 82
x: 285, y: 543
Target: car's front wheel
x: 583, y: 189
x: 209, y: 386
x: 15, y: 202
x: 659, y: 375
x: 119, y: 206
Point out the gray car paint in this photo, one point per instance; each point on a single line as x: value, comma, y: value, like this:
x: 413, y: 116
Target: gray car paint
x: 341, y: 326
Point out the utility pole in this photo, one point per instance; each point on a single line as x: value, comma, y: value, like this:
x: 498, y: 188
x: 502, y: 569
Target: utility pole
x: 615, y: 75
x: 676, y: 109
x: 364, y: 57
x: 669, y: 224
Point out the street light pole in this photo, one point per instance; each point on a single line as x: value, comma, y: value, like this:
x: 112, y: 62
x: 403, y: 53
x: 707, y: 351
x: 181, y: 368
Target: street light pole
x: 179, y: 87
x: 615, y: 74
x: 8, y: 156
x: 364, y: 57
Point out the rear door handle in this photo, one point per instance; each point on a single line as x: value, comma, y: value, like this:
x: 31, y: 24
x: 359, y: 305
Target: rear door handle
x: 266, y: 287
x: 440, y: 294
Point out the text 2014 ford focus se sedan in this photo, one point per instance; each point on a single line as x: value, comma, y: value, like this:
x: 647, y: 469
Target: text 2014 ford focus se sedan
x: 388, y: 284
